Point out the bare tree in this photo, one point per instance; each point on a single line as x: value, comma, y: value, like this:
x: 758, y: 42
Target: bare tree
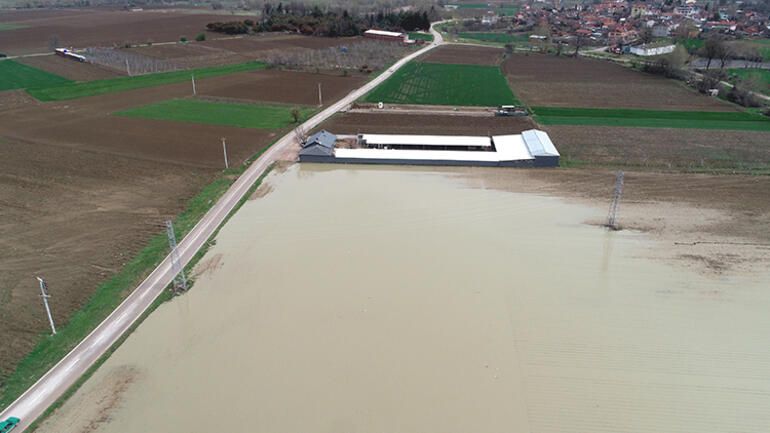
x: 712, y: 48
x: 646, y: 36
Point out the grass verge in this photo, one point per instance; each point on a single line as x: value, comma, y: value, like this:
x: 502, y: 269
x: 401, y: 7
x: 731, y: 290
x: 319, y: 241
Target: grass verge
x: 220, y: 113
x: 743, y: 121
x: 15, y: 75
x: 74, y: 90
x: 420, y: 36
x: 11, y: 26
x: 111, y: 293
x: 445, y: 84
x: 759, y: 76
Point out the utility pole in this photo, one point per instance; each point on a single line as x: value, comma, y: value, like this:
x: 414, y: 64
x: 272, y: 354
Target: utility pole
x: 320, y: 96
x: 612, y: 217
x: 193, y: 84
x: 44, y: 294
x: 128, y: 70
x: 180, y: 281
x: 224, y: 149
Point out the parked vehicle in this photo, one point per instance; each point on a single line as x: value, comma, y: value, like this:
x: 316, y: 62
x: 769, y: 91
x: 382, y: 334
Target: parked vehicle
x: 9, y: 424
x: 511, y: 111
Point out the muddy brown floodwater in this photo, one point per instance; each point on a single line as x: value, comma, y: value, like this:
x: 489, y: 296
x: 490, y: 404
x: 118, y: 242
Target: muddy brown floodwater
x: 357, y: 299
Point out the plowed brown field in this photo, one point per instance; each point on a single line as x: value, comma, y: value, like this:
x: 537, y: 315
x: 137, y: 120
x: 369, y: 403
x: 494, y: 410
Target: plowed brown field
x: 465, y: 54
x: 93, y: 27
x: 69, y: 68
x: 353, y: 123
x: 545, y: 80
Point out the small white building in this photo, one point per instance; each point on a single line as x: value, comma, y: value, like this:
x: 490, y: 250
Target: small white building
x: 646, y: 51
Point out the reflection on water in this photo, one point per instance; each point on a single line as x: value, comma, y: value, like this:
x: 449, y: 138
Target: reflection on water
x: 354, y: 299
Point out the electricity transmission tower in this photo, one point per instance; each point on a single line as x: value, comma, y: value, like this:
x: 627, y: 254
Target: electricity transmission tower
x: 180, y: 281
x: 612, y: 217
x: 44, y: 294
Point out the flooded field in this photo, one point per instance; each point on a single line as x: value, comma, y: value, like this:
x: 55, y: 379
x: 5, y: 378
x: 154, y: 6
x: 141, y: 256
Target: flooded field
x: 350, y: 299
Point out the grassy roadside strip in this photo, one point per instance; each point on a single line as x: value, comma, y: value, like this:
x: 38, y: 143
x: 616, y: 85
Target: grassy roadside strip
x: 76, y: 90
x: 109, y: 294
x: 744, y: 121
x: 241, y: 115
x: 163, y: 298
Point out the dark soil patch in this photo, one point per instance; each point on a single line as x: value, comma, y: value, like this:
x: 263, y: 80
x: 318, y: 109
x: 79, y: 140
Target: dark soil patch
x: 464, y: 54
x: 70, y: 69
x: 545, y: 80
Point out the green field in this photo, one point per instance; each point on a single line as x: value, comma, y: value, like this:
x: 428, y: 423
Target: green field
x: 760, y: 76
x: 652, y: 118
x: 72, y: 90
x: 508, y: 10
x: 443, y: 84
x: 15, y: 75
x: 501, y: 38
x: 693, y: 44
x: 419, y: 36
x: 10, y: 26
x: 473, y: 6
x: 219, y: 113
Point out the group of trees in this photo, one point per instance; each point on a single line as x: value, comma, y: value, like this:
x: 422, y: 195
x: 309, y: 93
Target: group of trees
x: 332, y: 23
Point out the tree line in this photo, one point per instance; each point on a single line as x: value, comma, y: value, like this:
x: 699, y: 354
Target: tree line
x: 332, y: 23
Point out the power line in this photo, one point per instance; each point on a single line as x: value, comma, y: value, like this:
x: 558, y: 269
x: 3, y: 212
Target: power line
x: 44, y: 294
x: 612, y: 217
x: 180, y: 281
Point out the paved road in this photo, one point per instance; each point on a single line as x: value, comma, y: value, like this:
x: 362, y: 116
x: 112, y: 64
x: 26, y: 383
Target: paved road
x: 54, y: 383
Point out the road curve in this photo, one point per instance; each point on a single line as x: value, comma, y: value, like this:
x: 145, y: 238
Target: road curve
x: 30, y: 405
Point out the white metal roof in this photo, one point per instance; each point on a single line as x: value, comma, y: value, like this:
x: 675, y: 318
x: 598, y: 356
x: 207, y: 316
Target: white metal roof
x: 383, y: 33
x: 434, y: 155
x: 511, y: 148
x: 427, y: 140
x: 539, y: 143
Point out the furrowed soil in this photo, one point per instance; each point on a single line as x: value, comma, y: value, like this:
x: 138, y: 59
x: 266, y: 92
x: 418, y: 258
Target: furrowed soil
x: 282, y: 86
x: 545, y: 80
x: 353, y: 123
x: 663, y: 147
x: 464, y: 54
x: 92, y: 27
x: 70, y: 69
x: 82, y: 191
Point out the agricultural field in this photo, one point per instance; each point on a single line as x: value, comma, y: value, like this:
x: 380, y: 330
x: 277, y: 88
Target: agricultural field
x: 14, y: 75
x: 445, y: 84
x: 498, y: 38
x: 220, y: 113
x: 76, y: 90
x: 759, y: 76
x: 10, y: 26
x: 466, y: 55
x: 67, y: 68
x: 742, y: 121
x: 397, y: 123
x: 551, y: 81
x: 761, y: 45
x: 100, y: 27
x: 420, y: 36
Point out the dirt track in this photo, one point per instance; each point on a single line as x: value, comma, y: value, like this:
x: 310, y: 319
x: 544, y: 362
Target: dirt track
x: 546, y: 80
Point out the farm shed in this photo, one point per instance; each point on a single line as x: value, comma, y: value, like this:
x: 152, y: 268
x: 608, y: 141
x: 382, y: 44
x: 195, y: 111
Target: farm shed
x: 532, y: 148
x: 318, y: 147
x: 385, y: 35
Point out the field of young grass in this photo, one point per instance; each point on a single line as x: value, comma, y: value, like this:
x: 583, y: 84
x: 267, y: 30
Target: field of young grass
x: 419, y: 36
x: 501, y: 38
x: 743, y: 121
x: 14, y: 75
x: 10, y: 26
x: 472, y: 6
x: 760, y: 76
x: 693, y: 44
x: 220, y: 113
x: 74, y: 90
x: 445, y: 84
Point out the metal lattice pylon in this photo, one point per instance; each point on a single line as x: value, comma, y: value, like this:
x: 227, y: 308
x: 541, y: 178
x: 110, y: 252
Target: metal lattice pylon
x: 180, y: 281
x: 612, y: 217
